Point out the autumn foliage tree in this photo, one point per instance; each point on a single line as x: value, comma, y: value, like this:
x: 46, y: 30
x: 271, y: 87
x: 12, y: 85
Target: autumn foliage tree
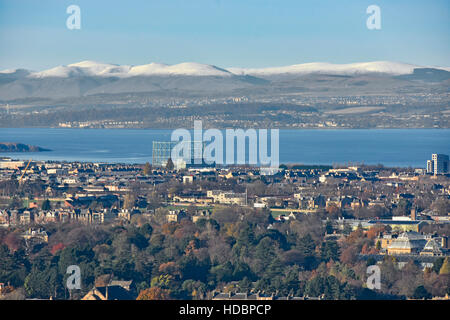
x: 349, y: 255
x: 375, y: 231
x: 13, y: 241
x: 147, y: 169
x: 154, y: 293
x: 445, y: 269
x: 57, y: 247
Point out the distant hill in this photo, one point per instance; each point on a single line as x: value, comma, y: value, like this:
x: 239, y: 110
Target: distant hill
x: 427, y: 74
x: 19, y: 147
x: 89, y: 78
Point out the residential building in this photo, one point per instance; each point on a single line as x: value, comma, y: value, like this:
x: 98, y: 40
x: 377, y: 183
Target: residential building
x: 110, y: 292
x: 400, y: 225
x: 407, y: 243
x: 175, y: 215
x: 435, y: 247
x: 227, y: 197
x: 439, y: 164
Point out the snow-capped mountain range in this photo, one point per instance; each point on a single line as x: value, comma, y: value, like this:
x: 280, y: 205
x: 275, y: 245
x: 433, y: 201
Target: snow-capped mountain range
x: 89, y: 78
x: 98, y: 69
x: 387, y: 67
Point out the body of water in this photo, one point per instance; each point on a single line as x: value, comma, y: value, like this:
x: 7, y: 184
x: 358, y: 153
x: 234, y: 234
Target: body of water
x: 390, y: 147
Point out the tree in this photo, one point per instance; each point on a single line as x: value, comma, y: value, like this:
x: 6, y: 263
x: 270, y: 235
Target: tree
x: 436, y: 284
x: 437, y: 265
x: 329, y: 227
x: 13, y: 266
x: 169, y: 165
x: 245, y: 284
x: 411, y: 277
x: 330, y: 251
x: 421, y: 293
x: 350, y: 254
x: 196, y: 289
x: 308, y: 224
x: 129, y: 201
x: 375, y: 230
x: 441, y: 206
x: 333, y: 210
x: 147, y: 169
x: 193, y: 268
x: 43, y: 281
x: 327, y: 286
x: 138, y: 240
x: 445, y: 269
x: 82, y: 256
x: 378, y: 245
x: 306, y: 245
x: 332, y: 288
x: 163, y: 281
x: 46, y: 206
x: 314, y: 287
x: 103, y: 280
x: 403, y: 207
x: 57, y: 247
x: 15, y: 203
x: 246, y: 235
x: 154, y: 293
x: 13, y: 241
x: 9, y: 187
x: 265, y: 254
x: 347, y: 228
x: 389, y: 272
x: 222, y: 272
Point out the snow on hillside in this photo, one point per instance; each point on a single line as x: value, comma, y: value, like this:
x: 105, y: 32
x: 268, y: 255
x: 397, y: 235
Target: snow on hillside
x: 92, y: 68
x: 100, y: 69
x: 9, y: 71
x: 59, y: 72
x: 187, y: 68
x: 395, y: 68
x: 83, y: 68
x: 14, y: 73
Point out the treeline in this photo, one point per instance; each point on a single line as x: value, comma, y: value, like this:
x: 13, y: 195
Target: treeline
x: 152, y: 116
x: 238, y: 250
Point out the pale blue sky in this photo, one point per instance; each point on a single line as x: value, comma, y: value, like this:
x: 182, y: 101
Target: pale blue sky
x: 240, y: 33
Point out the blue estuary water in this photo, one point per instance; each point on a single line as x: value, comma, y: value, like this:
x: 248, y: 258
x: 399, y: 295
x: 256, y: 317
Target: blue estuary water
x: 390, y: 147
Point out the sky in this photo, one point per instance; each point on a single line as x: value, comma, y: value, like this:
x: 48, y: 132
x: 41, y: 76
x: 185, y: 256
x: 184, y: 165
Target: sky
x: 225, y: 33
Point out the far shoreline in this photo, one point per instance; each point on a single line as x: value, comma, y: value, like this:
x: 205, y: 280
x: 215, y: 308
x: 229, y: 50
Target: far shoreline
x: 224, y: 128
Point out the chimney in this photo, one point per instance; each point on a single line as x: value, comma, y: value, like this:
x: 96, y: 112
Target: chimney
x: 413, y: 213
x: 444, y: 243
